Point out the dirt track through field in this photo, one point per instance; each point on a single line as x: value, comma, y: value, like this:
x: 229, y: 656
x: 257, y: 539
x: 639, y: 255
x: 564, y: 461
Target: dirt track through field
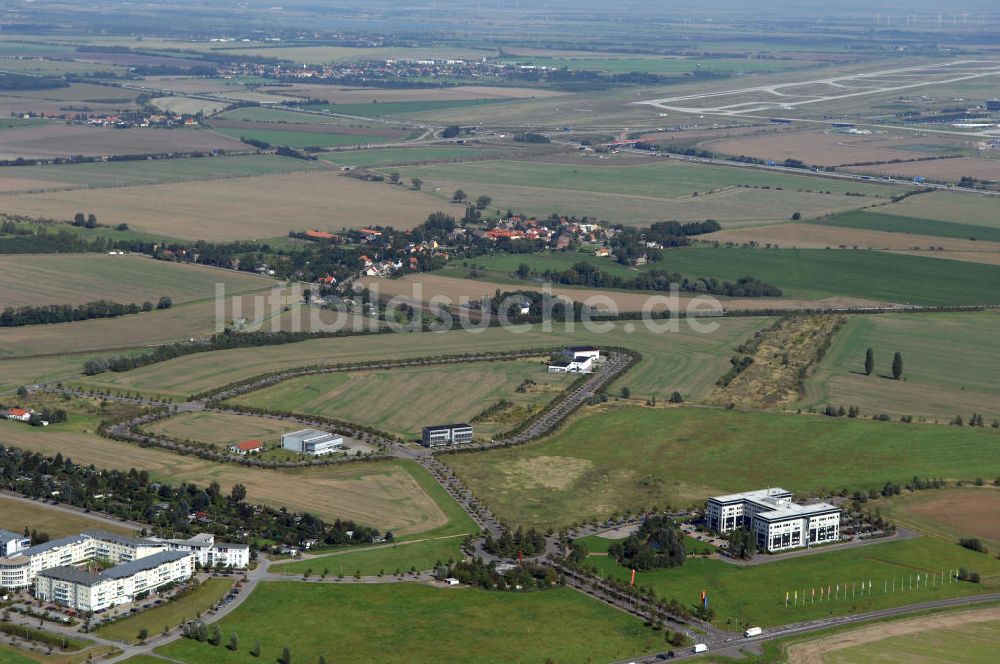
x: 811, y: 652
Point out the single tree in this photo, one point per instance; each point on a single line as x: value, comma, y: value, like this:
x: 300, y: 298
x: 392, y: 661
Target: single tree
x: 869, y: 362
x: 286, y: 655
x: 165, y: 302
x: 459, y: 196
x: 394, y: 177
x: 483, y: 202
x: 897, y: 366
x: 626, y: 393
x: 255, y: 651
x: 238, y: 494
x: 143, y: 634
x: 79, y: 219
x: 416, y: 183
x: 234, y: 642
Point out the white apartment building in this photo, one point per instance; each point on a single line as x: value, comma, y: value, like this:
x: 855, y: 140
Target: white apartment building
x: 83, y: 590
x: 11, y: 542
x: 208, y: 552
x: 777, y: 522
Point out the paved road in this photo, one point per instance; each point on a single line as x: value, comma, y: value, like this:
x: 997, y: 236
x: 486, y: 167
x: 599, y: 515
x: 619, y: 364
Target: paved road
x: 731, y: 646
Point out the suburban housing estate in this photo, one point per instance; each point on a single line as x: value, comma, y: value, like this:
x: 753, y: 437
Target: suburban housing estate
x: 59, y: 569
x: 778, y: 523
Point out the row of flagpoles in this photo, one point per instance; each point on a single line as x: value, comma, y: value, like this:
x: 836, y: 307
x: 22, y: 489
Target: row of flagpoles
x: 855, y: 589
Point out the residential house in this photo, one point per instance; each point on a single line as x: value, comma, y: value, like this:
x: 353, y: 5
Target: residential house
x: 247, y: 447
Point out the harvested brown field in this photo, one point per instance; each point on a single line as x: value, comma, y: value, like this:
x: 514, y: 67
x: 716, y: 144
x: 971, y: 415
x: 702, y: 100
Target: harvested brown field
x: 967, y: 256
x: 948, y: 170
x: 56, y: 520
x: 22, y: 184
x: 348, y: 95
x: 818, y: 236
x: 381, y: 494
x: 60, y: 140
x: 816, y: 651
x: 950, y: 513
x: 221, y: 429
x: 80, y: 278
x: 821, y: 148
x: 238, y: 208
x: 453, y: 288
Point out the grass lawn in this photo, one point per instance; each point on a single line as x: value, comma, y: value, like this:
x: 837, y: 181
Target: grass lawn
x: 397, y: 401
x: 619, y: 458
x: 423, y: 555
x: 14, y: 655
x: 416, y: 623
x: 948, y: 366
x: 899, y: 224
x: 171, y: 614
x: 756, y: 594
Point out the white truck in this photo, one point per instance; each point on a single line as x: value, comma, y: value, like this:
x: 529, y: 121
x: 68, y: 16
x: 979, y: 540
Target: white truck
x: 700, y: 647
x: 753, y: 631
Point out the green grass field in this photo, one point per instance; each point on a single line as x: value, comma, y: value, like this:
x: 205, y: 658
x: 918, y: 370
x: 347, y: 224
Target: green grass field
x: 399, y: 400
x: 416, y: 623
x: 664, y: 179
x: 301, y: 139
x: 801, y: 273
x: 125, y: 173
x: 422, y: 555
x: 948, y: 361
x: 899, y: 224
x: 756, y: 594
x: 628, y: 458
x: 974, y: 643
x: 686, y: 361
x: 168, y: 615
x: 390, y: 156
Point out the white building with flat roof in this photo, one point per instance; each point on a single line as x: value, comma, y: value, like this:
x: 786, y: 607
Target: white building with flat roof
x: 778, y: 523
x: 83, y: 590
x: 311, y: 441
x: 208, y: 552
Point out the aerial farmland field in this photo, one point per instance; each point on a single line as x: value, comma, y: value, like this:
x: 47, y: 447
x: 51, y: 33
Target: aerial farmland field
x: 947, y: 366
x: 416, y: 623
x: 686, y: 360
x: 950, y: 514
x: 396, y: 400
x: 614, y: 459
x: 79, y: 278
x: 60, y: 140
x: 238, y: 208
x: 221, y: 429
x: 386, y: 495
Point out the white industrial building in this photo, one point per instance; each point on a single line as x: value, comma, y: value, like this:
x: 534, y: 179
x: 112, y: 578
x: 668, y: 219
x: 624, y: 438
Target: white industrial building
x: 778, y: 523
x: 208, y: 552
x: 311, y: 441
x: 576, y: 359
x: 83, y: 590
